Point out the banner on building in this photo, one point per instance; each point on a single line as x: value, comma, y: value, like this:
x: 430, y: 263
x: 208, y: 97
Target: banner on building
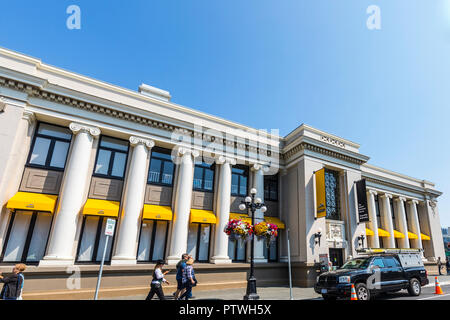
x: 363, y: 211
x: 321, y: 209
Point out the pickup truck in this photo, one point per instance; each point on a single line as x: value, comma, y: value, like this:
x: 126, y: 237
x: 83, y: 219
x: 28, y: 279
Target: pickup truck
x: 373, y: 274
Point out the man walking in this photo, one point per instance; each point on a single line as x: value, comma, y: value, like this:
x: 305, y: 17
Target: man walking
x: 181, y: 265
x: 439, y: 264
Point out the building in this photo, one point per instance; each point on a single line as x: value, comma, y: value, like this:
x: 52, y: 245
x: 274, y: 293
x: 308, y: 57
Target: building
x: 76, y: 151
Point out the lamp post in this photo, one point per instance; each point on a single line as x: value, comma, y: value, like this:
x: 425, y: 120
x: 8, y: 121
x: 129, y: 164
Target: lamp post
x: 252, y: 204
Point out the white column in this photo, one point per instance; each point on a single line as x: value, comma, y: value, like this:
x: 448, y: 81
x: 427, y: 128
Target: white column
x: 72, y: 197
x: 373, y: 224
x: 133, y: 201
x: 386, y: 216
x: 258, y: 184
x: 402, y: 222
x: 414, y: 223
x: 182, y: 205
x: 223, y: 210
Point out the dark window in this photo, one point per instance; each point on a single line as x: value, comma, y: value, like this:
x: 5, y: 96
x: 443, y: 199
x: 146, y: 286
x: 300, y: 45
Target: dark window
x: 391, y: 262
x: 377, y: 209
x: 152, y: 240
x: 391, y: 203
x: 50, y: 147
x: 239, y: 181
x: 271, y: 188
x: 332, y: 195
x: 270, y: 250
x: 406, y: 213
x: 237, y: 250
x: 111, y: 158
x: 199, y: 237
x: 378, y: 262
x: 161, y: 167
x: 204, y: 177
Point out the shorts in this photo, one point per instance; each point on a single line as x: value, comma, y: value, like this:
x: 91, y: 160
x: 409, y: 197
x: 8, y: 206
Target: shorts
x: 180, y: 284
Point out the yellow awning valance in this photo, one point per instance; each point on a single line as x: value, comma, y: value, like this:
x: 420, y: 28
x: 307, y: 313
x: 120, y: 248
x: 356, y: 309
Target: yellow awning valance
x: 398, y: 234
x: 369, y: 232
x: 280, y: 224
x: 32, y: 201
x: 412, y: 235
x: 202, y: 216
x: 383, y: 233
x: 154, y: 212
x: 424, y: 237
x: 106, y: 208
x: 240, y: 216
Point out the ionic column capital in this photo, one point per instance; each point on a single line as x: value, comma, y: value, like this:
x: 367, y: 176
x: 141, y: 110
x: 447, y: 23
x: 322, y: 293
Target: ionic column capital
x: 372, y: 192
x: 181, y: 151
x: 76, y: 128
x: 224, y: 159
x: 387, y: 195
x: 400, y: 199
x: 413, y: 201
x: 134, y: 141
x: 258, y: 166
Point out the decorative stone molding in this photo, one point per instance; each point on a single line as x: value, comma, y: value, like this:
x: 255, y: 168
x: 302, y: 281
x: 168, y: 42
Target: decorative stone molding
x: 79, y: 127
x: 134, y: 141
x: 223, y: 159
x: 29, y: 116
x: 433, y: 205
x: 34, y: 91
x: 2, y: 105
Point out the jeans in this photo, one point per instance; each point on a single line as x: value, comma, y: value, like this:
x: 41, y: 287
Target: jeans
x: 188, y: 293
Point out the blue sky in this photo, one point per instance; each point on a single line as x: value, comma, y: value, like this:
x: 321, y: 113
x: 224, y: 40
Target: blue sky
x: 271, y: 64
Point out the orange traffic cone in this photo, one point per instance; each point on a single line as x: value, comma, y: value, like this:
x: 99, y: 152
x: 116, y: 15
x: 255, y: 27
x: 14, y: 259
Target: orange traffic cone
x: 438, y: 287
x: 353, y: 295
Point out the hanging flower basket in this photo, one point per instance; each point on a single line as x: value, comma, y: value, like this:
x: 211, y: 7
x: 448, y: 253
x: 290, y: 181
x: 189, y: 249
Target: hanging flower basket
x: 238, y: 229
x: 266, y: 231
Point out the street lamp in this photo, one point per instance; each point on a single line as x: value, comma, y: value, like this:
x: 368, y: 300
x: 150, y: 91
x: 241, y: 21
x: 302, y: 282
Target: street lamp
x: 317, y: 236
x: 361, y: 240
x: 253, y: 204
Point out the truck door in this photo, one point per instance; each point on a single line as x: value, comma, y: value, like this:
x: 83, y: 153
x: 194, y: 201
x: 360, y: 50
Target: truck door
x: 378, y: 280
x: 394, y: 273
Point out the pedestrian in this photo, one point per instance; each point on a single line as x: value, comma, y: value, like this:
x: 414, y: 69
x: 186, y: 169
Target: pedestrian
x: 181, y: 265
x: 439, y: 264
x: 189, y: 280
x: 447, y: 265
x: 157, y: 281
x: 13, y: 285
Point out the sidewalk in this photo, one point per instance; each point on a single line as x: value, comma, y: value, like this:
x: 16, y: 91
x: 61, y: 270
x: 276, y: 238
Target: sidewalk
x: 265, y: 293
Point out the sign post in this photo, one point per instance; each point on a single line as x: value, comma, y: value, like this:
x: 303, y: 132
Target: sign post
x: 109, y: 232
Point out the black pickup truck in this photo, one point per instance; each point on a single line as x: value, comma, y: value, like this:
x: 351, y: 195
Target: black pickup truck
x: 374, y: 274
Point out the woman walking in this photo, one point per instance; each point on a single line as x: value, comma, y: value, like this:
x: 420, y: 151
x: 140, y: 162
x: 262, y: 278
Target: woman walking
x: 157, y: 280
x: 189, y: 280
x: 13, y: 285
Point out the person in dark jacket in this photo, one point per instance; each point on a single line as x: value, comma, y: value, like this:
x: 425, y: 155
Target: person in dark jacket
x: 439, y: 265
x: 12, y: 288
x: 157, y: 281
x: 181, y: 265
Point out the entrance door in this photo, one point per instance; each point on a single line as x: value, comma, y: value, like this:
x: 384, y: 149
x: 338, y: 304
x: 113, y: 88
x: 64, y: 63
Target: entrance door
x: 336, y: 257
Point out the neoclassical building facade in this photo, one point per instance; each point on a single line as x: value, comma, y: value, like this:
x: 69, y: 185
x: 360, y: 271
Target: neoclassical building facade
x: 77, y: 151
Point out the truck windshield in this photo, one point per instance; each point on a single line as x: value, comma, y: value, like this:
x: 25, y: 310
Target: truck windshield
x: 359, y: 263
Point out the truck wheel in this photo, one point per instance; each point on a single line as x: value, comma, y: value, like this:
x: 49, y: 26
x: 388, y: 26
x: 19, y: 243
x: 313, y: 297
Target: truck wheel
x: 362, y: 293
x: 414, y: 288
x: 328, y: 298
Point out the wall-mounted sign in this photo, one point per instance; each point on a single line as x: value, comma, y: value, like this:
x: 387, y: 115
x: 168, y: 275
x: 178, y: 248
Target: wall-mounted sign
x: 363, y: 211
x: 110, y: 224
x: 321, y: 209
x: 332, y: 141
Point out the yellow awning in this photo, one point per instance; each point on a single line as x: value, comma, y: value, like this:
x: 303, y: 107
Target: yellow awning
x: 106, y: 208
x: 369, y: 232
x: 424, y: 237
x: 398, y: 234
x: 383, y: 233
x: 412, y: 235
x: 202, y: 216
x: 32, y: 201
x: 240, y: 216
x: 277, y: 221
x: 154, y: 212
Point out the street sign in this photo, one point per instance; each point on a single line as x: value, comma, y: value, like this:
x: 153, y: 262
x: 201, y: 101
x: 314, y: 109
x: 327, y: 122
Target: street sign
x: 110, y: 224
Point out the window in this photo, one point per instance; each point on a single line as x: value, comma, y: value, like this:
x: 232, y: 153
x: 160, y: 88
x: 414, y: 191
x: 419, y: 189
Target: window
x: 198, y: 241
x: 332, y: 195
x: 406, y: 213
x: 239, y: 181
x: 237, y: 250
x: 161, y: 167
x: 271, y: 188
x: 378, y: 262
x: 270, y: 251
x: 152, y: 240
x: 391, y: 203
x: 377, y: 209
x: 111, y: 158
x: 93, y: 239
x: 50, y: 147
x: 391, y: 262
x: 27, y: 236
x: 204, y: 177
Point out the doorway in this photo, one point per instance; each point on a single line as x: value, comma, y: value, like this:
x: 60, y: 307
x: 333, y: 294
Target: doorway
x: 337, y: 257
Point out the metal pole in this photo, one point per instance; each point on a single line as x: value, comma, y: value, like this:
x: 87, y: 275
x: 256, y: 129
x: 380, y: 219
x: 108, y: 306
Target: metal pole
x: 101, y: 269
x: 289, y: 265
x: 251, y: 281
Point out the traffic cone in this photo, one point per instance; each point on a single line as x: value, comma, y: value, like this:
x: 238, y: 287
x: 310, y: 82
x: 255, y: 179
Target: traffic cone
x: 353, y: 295
x: 438, y: 287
